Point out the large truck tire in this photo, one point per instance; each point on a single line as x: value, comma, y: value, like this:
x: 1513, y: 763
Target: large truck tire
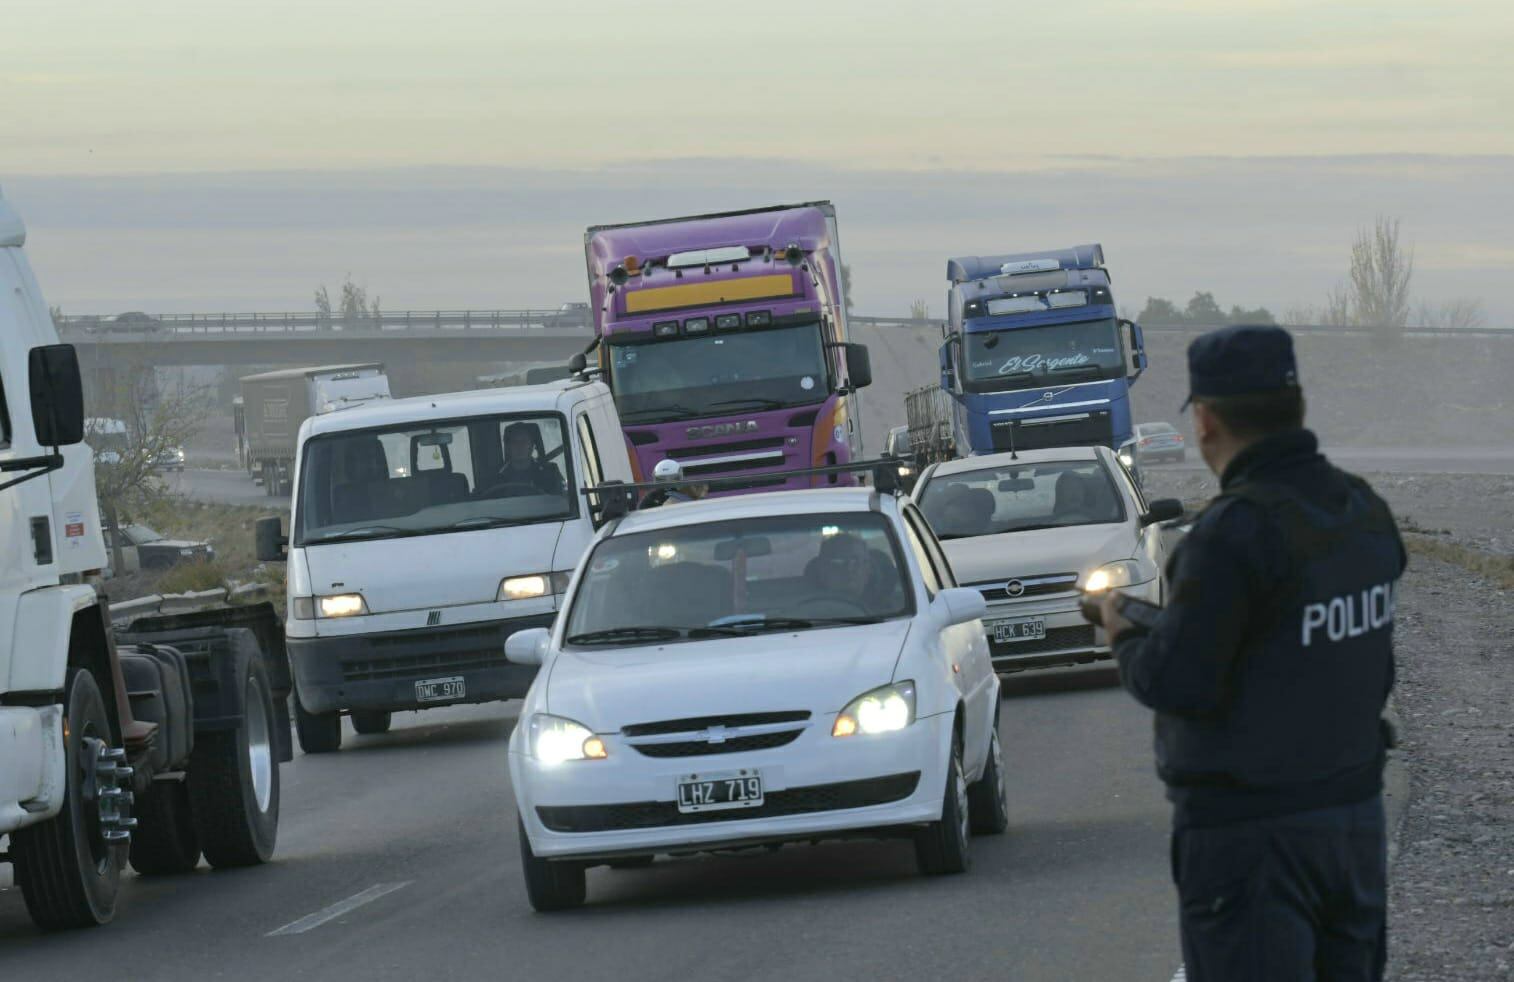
x: 165, y: 841
x: 234, y: 779
x: 371, y: 721
x: 68, y: 872
x: 319, y: 733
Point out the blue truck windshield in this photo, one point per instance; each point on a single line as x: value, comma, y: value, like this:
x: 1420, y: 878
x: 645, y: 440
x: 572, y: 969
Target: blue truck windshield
x: 718, y: 374
x: 1019, y: 357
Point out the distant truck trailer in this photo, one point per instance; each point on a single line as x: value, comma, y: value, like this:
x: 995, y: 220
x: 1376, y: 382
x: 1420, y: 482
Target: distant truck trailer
x: 274, y: 404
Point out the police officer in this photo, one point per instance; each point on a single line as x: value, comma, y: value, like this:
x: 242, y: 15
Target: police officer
x: 1268, y: 671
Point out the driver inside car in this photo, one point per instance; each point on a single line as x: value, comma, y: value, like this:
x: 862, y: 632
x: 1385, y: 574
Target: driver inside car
x: 524, y: 471
x: 847, y: 571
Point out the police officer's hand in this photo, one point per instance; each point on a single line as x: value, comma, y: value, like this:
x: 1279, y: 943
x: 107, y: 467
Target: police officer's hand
x: 1114, y: 622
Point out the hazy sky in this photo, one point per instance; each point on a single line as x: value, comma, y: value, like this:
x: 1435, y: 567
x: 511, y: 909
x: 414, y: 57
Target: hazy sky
x: 451, y: 151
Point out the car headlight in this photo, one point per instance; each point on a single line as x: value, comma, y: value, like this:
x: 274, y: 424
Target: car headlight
x: 342, y: 605
x: 883, y: 710
x: 533, y: 585
x: 1121, y: 573
x: 556, y: 739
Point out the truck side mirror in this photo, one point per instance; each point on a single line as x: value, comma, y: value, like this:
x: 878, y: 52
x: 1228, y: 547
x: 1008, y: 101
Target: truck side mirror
x: 1135, y: 343
x: 270, y: 540
x: 57, y: 395
x: 948, y: 372
x: 859, y: 366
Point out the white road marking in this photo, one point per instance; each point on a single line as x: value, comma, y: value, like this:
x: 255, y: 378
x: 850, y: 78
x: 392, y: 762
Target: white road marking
x: 1182, y: 975
x: 339, y: 908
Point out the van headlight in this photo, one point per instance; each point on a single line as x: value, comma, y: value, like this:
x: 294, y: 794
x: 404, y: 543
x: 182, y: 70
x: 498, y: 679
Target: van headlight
x: 1116, y: 574
x: 557, y: 739
x: 341, y: 605
x: 533, y: 585
x: 883, y: 710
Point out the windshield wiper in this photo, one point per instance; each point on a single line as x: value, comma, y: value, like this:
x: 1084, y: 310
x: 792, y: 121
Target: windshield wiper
x: 632, y: 635
x: 757, y: 402
x: 675, y: 410
x: 1079, y: 368
x: 756, y: 625
x: 366, y: 532
x: 480, y: 522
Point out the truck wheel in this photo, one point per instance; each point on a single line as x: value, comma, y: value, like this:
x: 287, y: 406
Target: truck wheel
x: 368, y: 721
x: 319, y: 733
x: 550, y: 886
x: 166, y: 842
x: 67, y: 869
x: 234, y: 780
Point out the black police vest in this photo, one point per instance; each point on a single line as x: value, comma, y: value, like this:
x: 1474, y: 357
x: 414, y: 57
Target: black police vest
x: 1305, y: 697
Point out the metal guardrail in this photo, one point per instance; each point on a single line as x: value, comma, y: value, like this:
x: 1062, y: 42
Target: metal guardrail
x: 170, y: 327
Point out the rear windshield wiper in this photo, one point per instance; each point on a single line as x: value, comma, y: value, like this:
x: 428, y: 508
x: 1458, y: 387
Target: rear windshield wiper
x: 629, y: 635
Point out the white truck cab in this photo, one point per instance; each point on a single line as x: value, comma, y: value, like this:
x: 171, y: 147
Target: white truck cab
x: 423, y: 533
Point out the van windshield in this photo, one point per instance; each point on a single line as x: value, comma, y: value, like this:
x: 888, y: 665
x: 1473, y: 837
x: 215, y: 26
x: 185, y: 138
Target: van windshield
x: 442, y: 476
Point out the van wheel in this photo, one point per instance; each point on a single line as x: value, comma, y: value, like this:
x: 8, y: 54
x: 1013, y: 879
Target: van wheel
x: 67, y: 869
x: 234, y: 780
x: 550, y: 886
x: 319, y: 733
x: 941, y: 847
x: 166, y: 842
x: 370, y: 721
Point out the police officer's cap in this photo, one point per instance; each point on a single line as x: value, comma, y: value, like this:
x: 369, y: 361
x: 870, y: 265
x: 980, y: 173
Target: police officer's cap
x: 1239, y: 360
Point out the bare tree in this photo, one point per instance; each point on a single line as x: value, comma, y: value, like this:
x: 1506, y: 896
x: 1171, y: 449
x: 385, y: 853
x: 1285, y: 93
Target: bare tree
x: 143, y: 428
x: 919, y: 310
x: 354, y: 303
x: 1337, y: 312
x: 1381, y: 270
x: 323, y: 303
x: 1455, y: 314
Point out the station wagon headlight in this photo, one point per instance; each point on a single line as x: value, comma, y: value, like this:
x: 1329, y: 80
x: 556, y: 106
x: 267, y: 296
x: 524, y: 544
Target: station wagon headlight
x: 341, y: 605
x: 556, y: 739
x: 1122, y: 573
x: 882, y: 710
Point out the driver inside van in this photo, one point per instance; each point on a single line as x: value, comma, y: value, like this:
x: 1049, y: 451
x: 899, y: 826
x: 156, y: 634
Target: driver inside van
x: 524, y: 470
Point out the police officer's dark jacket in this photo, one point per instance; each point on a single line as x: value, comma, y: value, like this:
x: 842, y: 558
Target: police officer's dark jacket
x: 1271, y: 664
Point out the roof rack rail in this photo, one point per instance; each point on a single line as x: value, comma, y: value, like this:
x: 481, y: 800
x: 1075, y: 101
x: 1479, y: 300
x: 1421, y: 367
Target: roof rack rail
x: 620, y: 498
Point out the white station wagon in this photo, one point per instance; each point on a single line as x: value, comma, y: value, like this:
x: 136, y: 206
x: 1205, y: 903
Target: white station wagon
x: 755, y: 670
x: 1033, y: 529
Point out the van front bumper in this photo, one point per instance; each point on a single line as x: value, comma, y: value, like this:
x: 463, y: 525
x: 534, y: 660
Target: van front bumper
x: 380, y: 671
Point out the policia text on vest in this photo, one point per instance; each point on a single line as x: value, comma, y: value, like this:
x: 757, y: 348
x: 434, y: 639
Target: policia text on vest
x: 1351, y: 615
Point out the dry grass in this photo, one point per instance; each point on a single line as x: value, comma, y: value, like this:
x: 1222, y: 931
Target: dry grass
x: 192, y: 578
x: 1495, y: 568
x: 228, y: 528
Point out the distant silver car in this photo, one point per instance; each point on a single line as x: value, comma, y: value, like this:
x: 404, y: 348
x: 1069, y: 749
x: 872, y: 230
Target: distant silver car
x: 169, y: 459
x: 1158, y: 442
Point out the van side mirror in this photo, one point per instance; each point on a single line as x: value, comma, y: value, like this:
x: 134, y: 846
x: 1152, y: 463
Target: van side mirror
x: 269, y: 538
x: 859, y: 366
x: 528, y: 647
x: 57, y: 395
x: 577, y: 363
x: 1162, y: 510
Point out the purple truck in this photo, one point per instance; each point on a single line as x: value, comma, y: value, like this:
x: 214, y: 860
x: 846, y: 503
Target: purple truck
x: 724, y: 340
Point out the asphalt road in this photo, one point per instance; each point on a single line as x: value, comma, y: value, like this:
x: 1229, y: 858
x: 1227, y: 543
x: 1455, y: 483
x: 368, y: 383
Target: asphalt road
x: 419, y: 823
x: 225, y: 487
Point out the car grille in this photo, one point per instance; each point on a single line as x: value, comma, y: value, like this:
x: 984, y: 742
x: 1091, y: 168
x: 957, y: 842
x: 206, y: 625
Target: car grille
x: 731, y: 745
x: 1057, y: 639
x: 694, y: 723
x: 793, y: 801
x: 1035, y: 586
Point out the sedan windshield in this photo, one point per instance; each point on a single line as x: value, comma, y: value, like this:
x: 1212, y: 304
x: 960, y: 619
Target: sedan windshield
x: 446, y: 476
x: 718, y: 374
x: 719, y: 579
x: 1018, y: 497
x: 1020, y: 357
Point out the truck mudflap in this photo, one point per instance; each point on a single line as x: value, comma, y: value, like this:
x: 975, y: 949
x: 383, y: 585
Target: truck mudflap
x: 216, y: 645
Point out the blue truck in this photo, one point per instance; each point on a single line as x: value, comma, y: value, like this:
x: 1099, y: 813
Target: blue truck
x: 1034, y: 356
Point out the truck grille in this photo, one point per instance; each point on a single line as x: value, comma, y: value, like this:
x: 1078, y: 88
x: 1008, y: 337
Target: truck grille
x: 1076, y: 429
x: 794, y: 801
x: 738, y: 446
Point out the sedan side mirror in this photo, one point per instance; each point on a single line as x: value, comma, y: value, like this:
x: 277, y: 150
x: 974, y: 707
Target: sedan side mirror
x: 528, y: 647
x: 270, y: 540
x: 1162, y: 510
x: 958, y: 605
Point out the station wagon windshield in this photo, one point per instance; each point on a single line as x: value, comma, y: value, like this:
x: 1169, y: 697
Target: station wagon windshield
x: 719, y: 579
x: 1031, y: 356
x: 1020, y: 497
x: 695, y: 377
x: 446, y: 476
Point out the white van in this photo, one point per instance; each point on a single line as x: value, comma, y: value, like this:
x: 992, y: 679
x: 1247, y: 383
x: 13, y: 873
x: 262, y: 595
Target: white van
x: 423, y: 533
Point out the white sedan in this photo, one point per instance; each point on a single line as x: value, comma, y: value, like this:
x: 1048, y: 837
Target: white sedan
x: 755, y: 670
x: 1033, y: 529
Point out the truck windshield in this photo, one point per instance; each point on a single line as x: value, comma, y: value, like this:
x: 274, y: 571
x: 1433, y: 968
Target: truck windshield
x: 443, y: 476
x: 718, y: 375
x: 1019, y: 497
x: 1021, y: 357
x: 732, y: 578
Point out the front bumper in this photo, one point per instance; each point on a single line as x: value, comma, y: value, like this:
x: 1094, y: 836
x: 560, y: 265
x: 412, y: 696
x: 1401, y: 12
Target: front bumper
x: 379, y: 671
x: 815, y: 787
x: 1070, y: 639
